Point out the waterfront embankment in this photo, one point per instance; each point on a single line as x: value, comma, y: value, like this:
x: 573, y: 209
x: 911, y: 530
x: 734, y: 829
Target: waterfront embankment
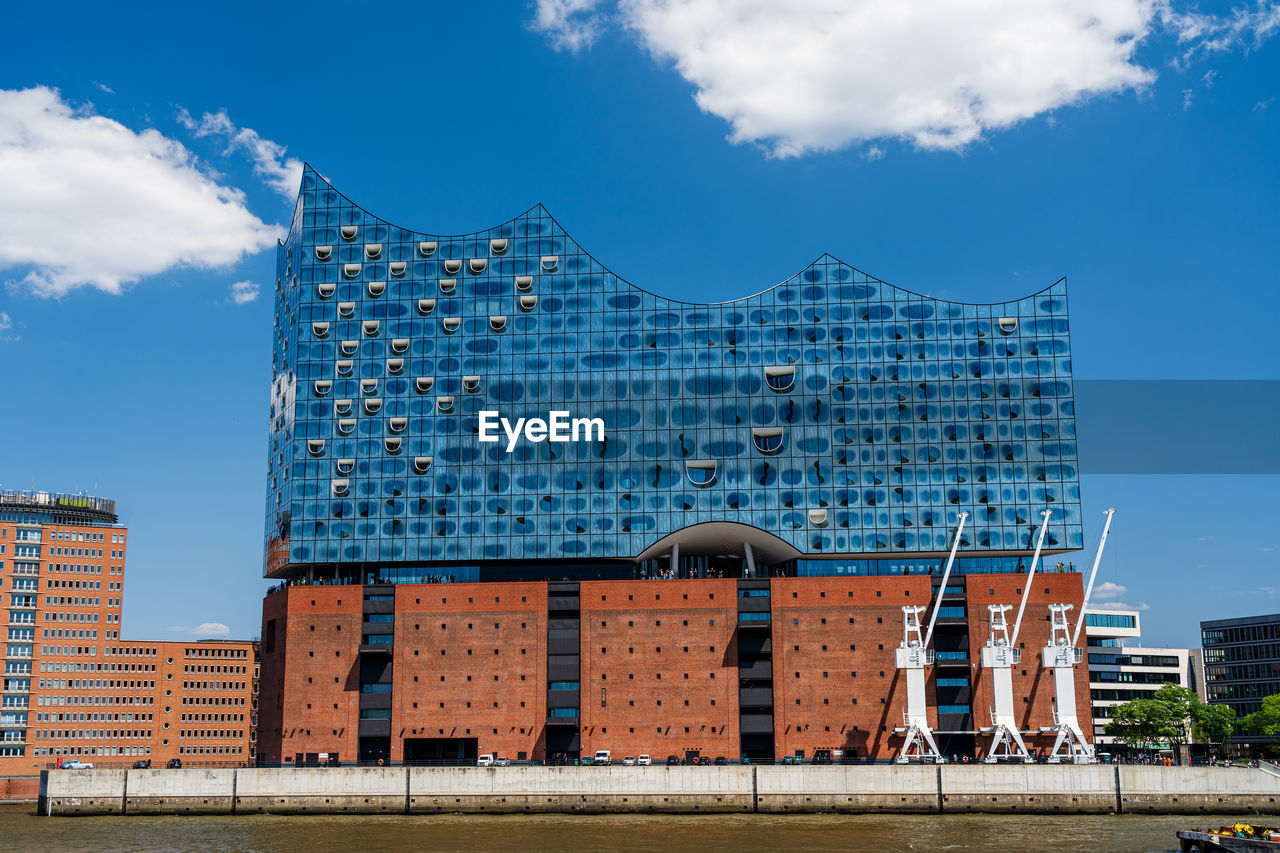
x: 854, y: 789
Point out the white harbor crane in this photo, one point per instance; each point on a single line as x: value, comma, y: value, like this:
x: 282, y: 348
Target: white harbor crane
x: 999, y: 656
x: 1061, y: 654
x: 913, y: 656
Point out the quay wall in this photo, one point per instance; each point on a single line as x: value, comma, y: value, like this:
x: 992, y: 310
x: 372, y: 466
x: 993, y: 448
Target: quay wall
x: 1037, y: 788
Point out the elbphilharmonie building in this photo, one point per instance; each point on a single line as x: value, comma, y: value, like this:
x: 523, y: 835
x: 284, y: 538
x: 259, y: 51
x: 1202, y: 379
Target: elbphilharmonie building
x: 822, y: 434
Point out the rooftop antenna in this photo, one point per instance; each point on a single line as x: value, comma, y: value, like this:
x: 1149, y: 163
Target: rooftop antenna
x: 913, y: 656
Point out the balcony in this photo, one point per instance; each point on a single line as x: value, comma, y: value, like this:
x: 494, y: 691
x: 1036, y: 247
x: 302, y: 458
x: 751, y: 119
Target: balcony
x: 563, y: 717
x: 953, y: 658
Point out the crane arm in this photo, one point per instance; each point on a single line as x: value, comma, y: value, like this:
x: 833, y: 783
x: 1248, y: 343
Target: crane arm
x: 1093, y: 574
x: 1026, y: 590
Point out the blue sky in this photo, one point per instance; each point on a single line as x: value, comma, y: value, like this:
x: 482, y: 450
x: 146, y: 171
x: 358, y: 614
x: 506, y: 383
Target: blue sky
x: 978, y: 158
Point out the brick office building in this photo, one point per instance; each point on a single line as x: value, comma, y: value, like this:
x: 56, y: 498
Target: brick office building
x: 723, y: 571
x: 73, y: 688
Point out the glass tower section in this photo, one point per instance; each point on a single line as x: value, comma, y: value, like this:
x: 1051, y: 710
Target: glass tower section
x: 839, y: 415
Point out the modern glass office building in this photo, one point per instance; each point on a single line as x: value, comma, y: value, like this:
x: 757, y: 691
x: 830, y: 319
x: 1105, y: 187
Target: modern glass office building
x: 830, y: 424
x: 1242, y: 666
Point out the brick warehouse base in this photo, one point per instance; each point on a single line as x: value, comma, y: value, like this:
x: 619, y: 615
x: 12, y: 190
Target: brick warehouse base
x: 531, y: 670
x: 1036, y: 789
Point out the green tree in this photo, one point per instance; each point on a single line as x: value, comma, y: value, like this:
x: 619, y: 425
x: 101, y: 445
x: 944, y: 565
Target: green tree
x: 1212, y: 723
x: 1164, y: 717
x: 1265, y: 721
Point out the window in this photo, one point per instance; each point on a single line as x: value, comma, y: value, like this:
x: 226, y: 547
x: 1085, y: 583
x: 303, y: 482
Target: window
x: 701, y: 473
x: 767, y: 439
x: 780, y: 379
x: 1109, y: 620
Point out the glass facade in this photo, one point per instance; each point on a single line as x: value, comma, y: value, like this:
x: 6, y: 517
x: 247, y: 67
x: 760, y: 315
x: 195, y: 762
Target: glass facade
x: 1242, y: 663
x: 840, y: 414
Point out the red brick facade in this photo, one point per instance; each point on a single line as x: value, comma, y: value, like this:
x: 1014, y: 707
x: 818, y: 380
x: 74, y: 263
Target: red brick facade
x: 659, y: 664
x: 834, y: 683
x: 659, y: 667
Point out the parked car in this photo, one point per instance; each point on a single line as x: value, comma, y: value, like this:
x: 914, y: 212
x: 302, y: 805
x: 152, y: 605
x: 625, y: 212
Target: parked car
x: 602, y: 756
x: 75, y: 764
x: 485, y: 760
x: 174, y: 764
x: 629, y: 761
x: 721, y: 761
x: 644, y: 761
x: 672, y: 761
x: 705, y: 761
x: 502, y: 761
x: 143, y: 764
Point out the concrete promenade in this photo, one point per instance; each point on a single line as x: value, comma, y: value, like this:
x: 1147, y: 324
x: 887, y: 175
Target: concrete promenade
x: 1037, y: 788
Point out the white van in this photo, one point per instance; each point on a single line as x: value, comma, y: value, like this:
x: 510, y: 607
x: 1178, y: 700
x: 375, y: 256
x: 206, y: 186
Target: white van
x: 644, y: 761
x: 485, y: 760
x: 602, y: 757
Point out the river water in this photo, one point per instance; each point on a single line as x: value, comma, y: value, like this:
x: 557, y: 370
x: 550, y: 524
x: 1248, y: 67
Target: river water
x: 22, y: 830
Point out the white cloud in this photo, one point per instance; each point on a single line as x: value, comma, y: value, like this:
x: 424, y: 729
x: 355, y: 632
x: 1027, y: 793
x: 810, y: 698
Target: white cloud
x: 818, y: 75
x: 6, y: 324
x: 1187, y: 98
x: 570, y: 25
x: 873, y: 153
x: 284, y: 175
x: 1264, y: 104
x: 244, y: 292
x: 1119, y: 605
x: 1109, y: 590
x: 1200, y: 35
x: 204, y: 629
x: 87, y: 201
x: 104, y: 87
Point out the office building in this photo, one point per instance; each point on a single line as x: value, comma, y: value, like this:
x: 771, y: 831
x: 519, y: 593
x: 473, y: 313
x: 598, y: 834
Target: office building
x: 1242, y: 665
x: 73, y: 687
x: 1122, y: 669
x: 720, y: 559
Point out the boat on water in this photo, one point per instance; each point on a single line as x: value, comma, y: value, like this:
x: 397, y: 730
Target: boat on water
x: 1237, y: 838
